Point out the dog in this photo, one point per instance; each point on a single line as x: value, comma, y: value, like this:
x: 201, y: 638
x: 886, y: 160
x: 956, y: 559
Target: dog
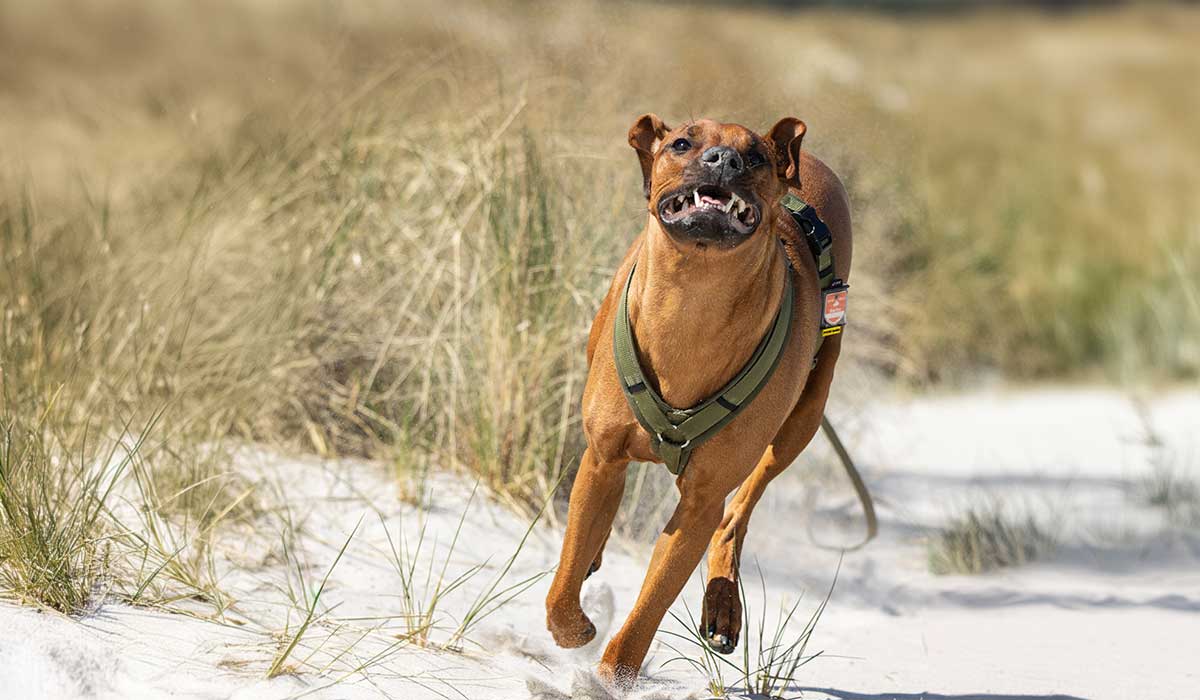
x: 708, y: 276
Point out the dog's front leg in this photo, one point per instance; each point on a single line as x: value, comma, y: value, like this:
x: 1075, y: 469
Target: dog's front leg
x: 721, y: 619
x: 595, y: 498
x: 676, y: 554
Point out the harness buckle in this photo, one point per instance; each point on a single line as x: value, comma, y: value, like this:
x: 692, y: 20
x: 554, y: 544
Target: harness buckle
x: 682, y: 446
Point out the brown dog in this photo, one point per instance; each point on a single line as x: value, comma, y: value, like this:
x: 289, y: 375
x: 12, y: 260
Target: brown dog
x: 708, y: 282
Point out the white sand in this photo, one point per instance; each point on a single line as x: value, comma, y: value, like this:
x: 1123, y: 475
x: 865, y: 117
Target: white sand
x: 1113, y: 612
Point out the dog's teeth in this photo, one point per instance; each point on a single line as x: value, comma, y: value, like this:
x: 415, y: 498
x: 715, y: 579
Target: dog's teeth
x: 696, y: 195
x: 730, y: 205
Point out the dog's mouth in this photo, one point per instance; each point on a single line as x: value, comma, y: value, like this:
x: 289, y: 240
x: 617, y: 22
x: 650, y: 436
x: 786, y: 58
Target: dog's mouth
x: 708, y: 211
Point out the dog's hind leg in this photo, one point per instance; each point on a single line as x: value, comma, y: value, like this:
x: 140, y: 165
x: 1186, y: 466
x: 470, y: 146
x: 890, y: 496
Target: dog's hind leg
x: 721, y: 619
x: 595, y: 497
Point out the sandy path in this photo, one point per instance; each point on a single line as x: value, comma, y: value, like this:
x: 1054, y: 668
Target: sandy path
x: 1113, y: 613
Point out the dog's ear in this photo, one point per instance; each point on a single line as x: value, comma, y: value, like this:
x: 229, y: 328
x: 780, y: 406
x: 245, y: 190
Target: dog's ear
x: 786, y: 136
x: 645, y: 136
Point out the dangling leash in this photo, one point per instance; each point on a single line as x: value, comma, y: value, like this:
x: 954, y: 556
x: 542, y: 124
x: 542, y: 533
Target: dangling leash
x: 676, y: 432
x: 833, y: 319
x: 860, y: 488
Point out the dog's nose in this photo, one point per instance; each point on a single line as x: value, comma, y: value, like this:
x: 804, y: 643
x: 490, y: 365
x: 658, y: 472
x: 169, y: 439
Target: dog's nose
x: 722, y: 158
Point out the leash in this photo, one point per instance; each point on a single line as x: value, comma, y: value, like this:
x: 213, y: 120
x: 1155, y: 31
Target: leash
x: 860, y: 489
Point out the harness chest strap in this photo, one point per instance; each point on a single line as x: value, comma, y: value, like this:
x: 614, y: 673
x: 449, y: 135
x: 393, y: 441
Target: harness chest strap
x: 675, y: 432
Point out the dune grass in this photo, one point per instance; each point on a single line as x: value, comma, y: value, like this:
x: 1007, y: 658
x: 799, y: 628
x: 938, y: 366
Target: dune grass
x: 424, y: 585
x: 439, y: 597
x: 1170, y: 484
x: 986, y: 538
x: 364, y: 232
x: 771, y: 654
x: 1174, y: 491
x: 53, y: 540
x: 309, y: 602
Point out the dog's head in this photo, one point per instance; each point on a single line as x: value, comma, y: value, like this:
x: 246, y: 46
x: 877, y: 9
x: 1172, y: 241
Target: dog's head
x: 715, y: 184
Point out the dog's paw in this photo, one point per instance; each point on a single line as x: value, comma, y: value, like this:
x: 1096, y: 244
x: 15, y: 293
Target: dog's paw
x: 570, y: 628
x: 721, y: 622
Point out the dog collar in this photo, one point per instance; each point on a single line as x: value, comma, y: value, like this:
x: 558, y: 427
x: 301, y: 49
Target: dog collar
x: 676, y: 432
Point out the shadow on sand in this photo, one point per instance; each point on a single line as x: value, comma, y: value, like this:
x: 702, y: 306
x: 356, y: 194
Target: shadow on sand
x: 850, y: 695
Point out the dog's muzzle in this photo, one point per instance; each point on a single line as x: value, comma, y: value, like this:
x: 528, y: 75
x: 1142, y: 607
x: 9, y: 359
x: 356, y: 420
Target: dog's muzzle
x: 708, y: 211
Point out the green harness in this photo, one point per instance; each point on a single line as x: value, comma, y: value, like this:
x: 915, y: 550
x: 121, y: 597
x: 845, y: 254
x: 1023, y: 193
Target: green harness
x: 676, y: 432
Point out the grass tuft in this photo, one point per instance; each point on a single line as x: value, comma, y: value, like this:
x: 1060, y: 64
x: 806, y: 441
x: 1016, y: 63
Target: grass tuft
x: 984, y: 539
x: 54, y: 539
x: 425, y: 585
x: 291, y: 639
x: 772, y: 656
x: 1174, y: 492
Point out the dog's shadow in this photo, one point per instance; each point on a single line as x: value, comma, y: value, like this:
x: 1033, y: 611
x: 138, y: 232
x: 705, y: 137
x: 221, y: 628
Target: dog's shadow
x: 837, y: 694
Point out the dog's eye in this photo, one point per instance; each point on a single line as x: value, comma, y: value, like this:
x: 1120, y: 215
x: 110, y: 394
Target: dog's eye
x: 754, y: 158
x: 681, y: 145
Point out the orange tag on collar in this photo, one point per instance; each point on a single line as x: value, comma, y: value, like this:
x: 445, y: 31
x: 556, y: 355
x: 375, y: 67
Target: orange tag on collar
x: 833, y: 308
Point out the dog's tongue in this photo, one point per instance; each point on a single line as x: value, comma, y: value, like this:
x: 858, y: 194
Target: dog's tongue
x: 711, y: 200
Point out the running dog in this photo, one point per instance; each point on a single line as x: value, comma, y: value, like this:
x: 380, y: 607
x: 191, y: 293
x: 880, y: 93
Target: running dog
x: 700, y: 289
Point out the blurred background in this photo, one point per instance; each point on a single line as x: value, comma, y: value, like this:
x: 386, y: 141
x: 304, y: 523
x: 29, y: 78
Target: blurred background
x: 382, y: 229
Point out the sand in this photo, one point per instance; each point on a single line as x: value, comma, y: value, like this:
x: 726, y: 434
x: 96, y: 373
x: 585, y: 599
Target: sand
x: 1113, y: 611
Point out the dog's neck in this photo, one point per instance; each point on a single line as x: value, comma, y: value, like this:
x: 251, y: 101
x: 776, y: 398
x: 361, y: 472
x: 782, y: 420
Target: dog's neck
x: 698, y: 315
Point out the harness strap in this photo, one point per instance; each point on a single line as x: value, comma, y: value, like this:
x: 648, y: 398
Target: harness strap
x: 820, y: 244
x: 817, y: 235
x: 675, y: 432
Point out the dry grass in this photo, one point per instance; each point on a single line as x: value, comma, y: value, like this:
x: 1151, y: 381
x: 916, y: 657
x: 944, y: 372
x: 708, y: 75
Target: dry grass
x: 424, y: 585
x: 53, y: 545
x: 1169, y: 484
x: 984, y: 539
x: 1174, y: 491
x: 357, y: 229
